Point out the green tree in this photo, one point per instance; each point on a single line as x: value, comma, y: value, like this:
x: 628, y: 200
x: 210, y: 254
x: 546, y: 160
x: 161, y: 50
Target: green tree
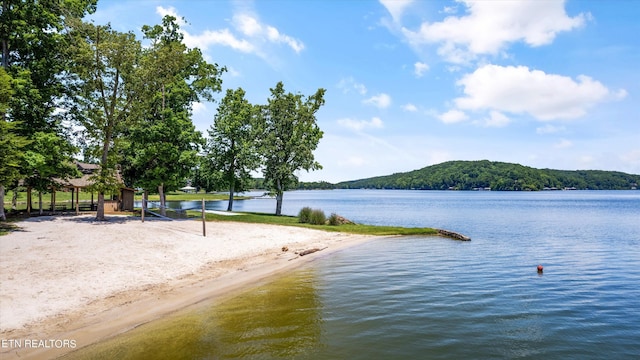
x: 205, y: 177
x: 164, y: 146
x: 11, y: 144
x: 48, y: 159
x: 34, y: 42
x: 105, y: 64
x: 233, y: 145
x: 291, y: 134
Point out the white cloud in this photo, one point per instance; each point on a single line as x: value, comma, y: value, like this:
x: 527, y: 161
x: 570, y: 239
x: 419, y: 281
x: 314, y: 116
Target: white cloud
x: 233, y: 72
x: 275, y: 36
x: 348, y: 84
x: 453, y: 116
x: 171, y: 11
x: 250, y: 26
x: 252, y: 36
x: 381, y: 101
x: 449, y: 10
x: 563, y: 144
x: 586, y: 161
x: 420, y: 68
x: 521, y: 90
x: 198, y: 107
x: 222, y: 37
x: 632, y: 156
x: 247, y: 25
x: 396, y: 7
x: 356, y: 161
x: 496, y: 119
x: 488, y: 27
x: 549, y: 129
x: 359, y: 125
x: 409, y: 107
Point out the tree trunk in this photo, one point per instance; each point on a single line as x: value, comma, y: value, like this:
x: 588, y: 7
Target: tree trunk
x: 40, y: 202
x: 100, y: 209
x: 29, y: 201
x: 279, y: 203
x: 5, y: 42
x: 279, y: 195
x: 108, y: 131
x: 3, y: 217
x: 14, y: 200
x: 163, y: 210
x: 231, y: 191
x: 145, y: 197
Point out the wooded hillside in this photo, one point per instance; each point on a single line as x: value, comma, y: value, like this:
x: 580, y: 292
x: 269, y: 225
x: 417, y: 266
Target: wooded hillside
x: 484, y: 174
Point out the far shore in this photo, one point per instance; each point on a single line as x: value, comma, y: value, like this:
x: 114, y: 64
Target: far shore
x: 68, y: 282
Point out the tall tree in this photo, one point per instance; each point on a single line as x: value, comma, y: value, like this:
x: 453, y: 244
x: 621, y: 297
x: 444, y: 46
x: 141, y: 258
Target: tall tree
x: 11, y: 144
x: 164, y: 146
x: 107, y: 89
x: 33, y: 36
x: 234, y: 137
x: 33, y: 42
x: 290, y: 137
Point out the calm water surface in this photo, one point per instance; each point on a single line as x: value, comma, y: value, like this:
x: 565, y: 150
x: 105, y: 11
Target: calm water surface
x: 433, y: 298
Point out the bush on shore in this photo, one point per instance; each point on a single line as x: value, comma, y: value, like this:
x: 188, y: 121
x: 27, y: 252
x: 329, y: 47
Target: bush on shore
x: 304, y: 216
x: 318, y: 217
x: 308, y: 215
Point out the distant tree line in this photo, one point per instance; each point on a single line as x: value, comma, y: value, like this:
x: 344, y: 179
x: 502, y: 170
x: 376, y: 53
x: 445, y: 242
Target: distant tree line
x: 475, y: 175
x: 470, y: 175
x: 72, y: 89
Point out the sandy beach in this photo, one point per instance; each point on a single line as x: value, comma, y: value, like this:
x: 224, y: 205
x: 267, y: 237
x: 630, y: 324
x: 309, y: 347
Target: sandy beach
x: 69, y: 281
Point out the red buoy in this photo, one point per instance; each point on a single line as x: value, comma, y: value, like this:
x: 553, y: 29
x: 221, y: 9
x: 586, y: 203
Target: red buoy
x: 540, y: 268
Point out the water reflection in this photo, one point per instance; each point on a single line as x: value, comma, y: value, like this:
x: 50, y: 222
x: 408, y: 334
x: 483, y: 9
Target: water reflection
x: 276, y: 320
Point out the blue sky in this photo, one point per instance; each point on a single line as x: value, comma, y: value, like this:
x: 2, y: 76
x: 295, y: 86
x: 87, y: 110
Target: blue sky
x: 543, y: 83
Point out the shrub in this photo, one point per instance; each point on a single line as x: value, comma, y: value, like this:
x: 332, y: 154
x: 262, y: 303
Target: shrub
x: 317, y: 217
x: 304, y: 216
x: 334, y: 219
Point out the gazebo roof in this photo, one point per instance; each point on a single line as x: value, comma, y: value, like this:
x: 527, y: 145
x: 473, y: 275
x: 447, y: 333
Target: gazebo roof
x: 81, y: 182
x: 85, y: 180
x: 87, y: 168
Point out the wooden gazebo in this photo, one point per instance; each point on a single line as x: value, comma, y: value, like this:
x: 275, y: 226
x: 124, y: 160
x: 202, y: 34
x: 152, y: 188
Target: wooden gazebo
x: 123, y: 201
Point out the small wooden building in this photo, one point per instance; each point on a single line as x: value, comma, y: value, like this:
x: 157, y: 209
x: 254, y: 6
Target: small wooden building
x: 122, y: 201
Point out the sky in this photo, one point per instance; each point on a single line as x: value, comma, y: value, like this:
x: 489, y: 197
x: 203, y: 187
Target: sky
x: 543, y: 83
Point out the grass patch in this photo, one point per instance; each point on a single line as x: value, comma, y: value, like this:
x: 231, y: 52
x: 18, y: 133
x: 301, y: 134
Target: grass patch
x: 261, y: 218
x: 6, y: 228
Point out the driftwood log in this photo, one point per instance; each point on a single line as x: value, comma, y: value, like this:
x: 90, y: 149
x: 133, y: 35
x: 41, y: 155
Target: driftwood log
x: 310, y: 251
x: 453, y: 235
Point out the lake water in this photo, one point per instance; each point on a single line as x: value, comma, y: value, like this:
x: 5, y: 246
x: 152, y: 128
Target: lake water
x: 430, y: 297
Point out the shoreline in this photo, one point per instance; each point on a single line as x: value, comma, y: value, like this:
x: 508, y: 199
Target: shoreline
x: 42, y: 264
